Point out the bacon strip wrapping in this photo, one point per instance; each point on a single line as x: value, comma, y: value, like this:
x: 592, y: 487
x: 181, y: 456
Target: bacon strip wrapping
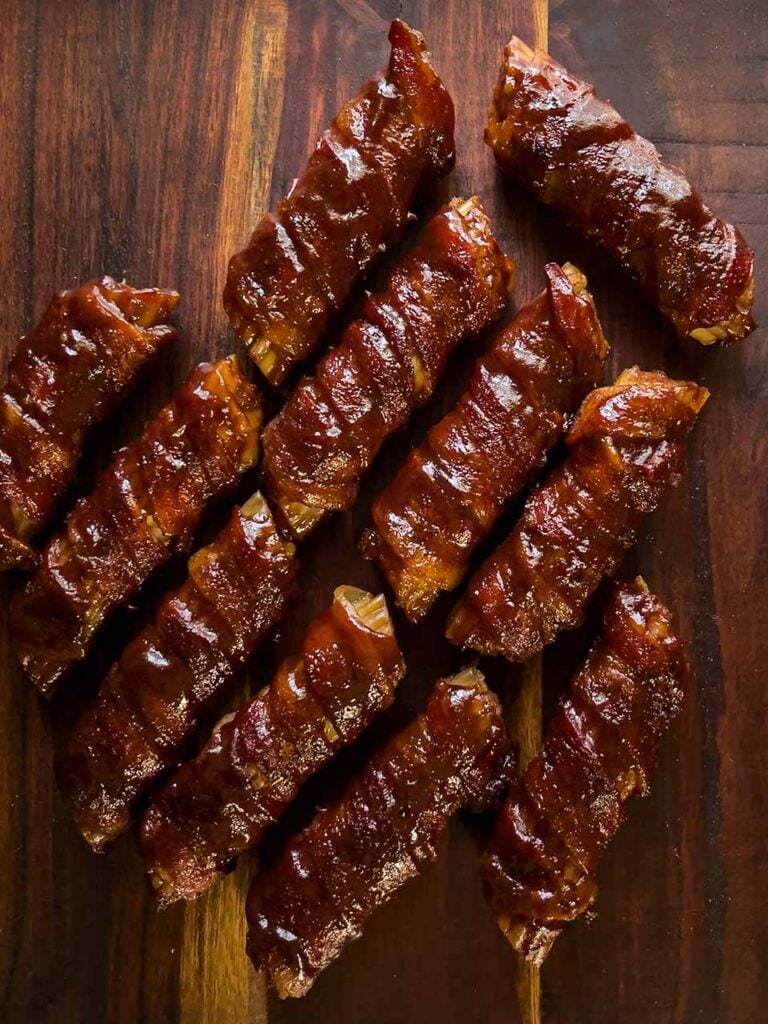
x: 68, y: 373
x: 625, y: 448
x: 357, y: 853
x: 454, y: 283
x: 539, y: 870
x: 351, y: 202
x: 453, y: 487
x: 146, y: 506
x: 174, y: 670
x: 218, y: 805
x: 550, y: 133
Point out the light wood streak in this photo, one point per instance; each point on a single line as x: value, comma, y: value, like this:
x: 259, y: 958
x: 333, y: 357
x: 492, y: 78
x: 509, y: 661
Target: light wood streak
x: 541, y: 24
x: 217, y: 982
x: 254, y: 129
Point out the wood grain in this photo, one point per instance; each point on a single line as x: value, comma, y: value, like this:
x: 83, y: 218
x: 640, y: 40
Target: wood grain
x: 675, y: 910
x: 145, y: 137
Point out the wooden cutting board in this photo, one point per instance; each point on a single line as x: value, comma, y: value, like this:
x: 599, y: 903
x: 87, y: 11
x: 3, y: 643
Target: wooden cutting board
x: 145, y: 137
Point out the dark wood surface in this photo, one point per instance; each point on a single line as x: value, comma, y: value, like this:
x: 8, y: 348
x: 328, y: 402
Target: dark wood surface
x: 144, y: 137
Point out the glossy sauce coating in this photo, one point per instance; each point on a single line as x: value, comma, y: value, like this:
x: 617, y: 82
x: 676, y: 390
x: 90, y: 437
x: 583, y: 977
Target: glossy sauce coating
x: 550, y: 132
x: 146, y: 506
x: 454, y: 283
x: 625, y: 448
x: 148, y: 705
x: 218, y: 805
x: 453, y: 487
x: 539, y: 870
x: 358, y: 852
x: 66, y: 375
x: 352, y: 200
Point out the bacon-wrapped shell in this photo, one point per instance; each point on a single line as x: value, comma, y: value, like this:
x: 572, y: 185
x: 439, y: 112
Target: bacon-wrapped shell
x: 452, y: 487
x: 539, y: 870
x: 625, y: 448
x: 550, y: 132
x: 358, y: 852
x: 454, y: 283
x: 66, y: 375
x: 145, y: 507
x: 149, y: 704
x: 218, y: 805
x: 352, y: 201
